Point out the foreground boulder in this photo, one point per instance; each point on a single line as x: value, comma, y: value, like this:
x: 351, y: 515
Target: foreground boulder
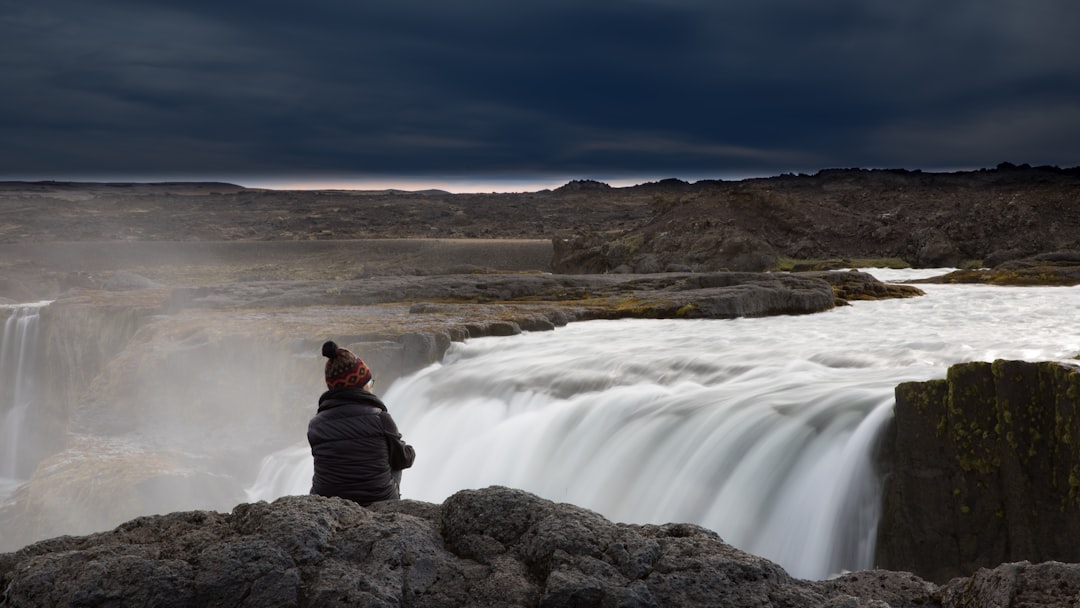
x: 491, y: 547
x: 496, y: 547
x: 995, y: 476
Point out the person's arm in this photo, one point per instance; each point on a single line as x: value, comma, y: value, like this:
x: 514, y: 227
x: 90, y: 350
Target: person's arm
x: 402, y: 454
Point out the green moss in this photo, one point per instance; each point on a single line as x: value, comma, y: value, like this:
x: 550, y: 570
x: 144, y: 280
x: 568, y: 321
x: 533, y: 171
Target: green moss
x: 1037, y: 428
x: 786, y: 264
x: 631, y: 306
x: 685, y: 310
x: 970, y: 426
x: 632, y: 243
x: 1074, y: 486
x: 1022, y: 276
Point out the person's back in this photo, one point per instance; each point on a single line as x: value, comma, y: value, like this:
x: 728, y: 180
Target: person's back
x: 355, y: 443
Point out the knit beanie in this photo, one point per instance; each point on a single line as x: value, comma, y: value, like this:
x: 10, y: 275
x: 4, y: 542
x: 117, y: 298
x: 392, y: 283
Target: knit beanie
x: 343, y: 368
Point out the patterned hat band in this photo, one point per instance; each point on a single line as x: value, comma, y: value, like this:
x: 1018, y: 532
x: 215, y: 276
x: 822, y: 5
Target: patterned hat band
x: 343, y: 368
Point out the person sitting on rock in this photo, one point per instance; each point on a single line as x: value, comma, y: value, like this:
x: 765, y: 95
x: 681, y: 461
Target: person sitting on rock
x: 359, y: 453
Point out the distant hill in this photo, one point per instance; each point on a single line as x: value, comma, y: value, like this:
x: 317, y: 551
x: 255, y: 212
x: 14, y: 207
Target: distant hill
x: 48, y: 186
x: 917, y: 218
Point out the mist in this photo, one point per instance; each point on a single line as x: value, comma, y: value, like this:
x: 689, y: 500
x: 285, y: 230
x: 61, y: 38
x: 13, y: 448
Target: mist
x: 177, y: 417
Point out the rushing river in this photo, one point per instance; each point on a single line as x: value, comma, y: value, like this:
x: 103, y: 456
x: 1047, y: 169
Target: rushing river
x: 760, y: 429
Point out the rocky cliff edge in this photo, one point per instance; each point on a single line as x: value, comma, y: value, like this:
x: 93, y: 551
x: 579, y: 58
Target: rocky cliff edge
x: 490, y: 547
x: 983, y: 467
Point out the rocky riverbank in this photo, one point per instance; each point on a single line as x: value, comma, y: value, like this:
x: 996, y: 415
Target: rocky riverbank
x: 1054, y: 268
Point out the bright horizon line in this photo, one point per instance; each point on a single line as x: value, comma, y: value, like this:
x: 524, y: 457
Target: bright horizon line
x: 484, y: 185
x: 449, y: 184
x: 413, y: 183
x: 408, y: 183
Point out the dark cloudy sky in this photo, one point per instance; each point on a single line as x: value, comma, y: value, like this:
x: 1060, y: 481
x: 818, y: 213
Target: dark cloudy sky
x: 486, y: 89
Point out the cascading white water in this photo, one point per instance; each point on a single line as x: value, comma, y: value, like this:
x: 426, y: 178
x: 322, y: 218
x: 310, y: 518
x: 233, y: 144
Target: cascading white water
x: 18, y: 386
x: 761, y: 429
x: 282, y: 473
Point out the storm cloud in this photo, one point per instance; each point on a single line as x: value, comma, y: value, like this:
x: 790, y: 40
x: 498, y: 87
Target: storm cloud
x: 601, y: 88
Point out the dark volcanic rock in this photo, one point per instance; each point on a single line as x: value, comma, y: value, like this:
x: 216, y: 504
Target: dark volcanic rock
x: 983, y: 467
x: 491, y: 547
x: 1051, y: 268
x: 925, y: 219
x: 721, y: 295
x: 855, y: 285
x: 1015, y: 584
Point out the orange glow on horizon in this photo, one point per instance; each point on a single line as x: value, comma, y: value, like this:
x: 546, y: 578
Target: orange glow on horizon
x: 455, y: 186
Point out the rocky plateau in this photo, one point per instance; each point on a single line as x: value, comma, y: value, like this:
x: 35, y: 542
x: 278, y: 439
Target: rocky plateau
x: 159, y: 280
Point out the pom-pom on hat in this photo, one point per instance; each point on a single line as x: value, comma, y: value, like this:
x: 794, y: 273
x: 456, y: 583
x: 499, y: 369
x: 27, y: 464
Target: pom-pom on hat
x: 344, y: 369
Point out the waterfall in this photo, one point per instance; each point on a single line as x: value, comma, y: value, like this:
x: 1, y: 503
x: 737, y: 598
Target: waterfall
x: 776, y: 456
x: 762, y: 430
x: 19, y: 384
x: 284, y: 472
x: 778, y: 460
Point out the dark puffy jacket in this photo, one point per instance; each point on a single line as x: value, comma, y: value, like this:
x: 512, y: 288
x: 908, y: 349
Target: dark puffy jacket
x: 356, y: 447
